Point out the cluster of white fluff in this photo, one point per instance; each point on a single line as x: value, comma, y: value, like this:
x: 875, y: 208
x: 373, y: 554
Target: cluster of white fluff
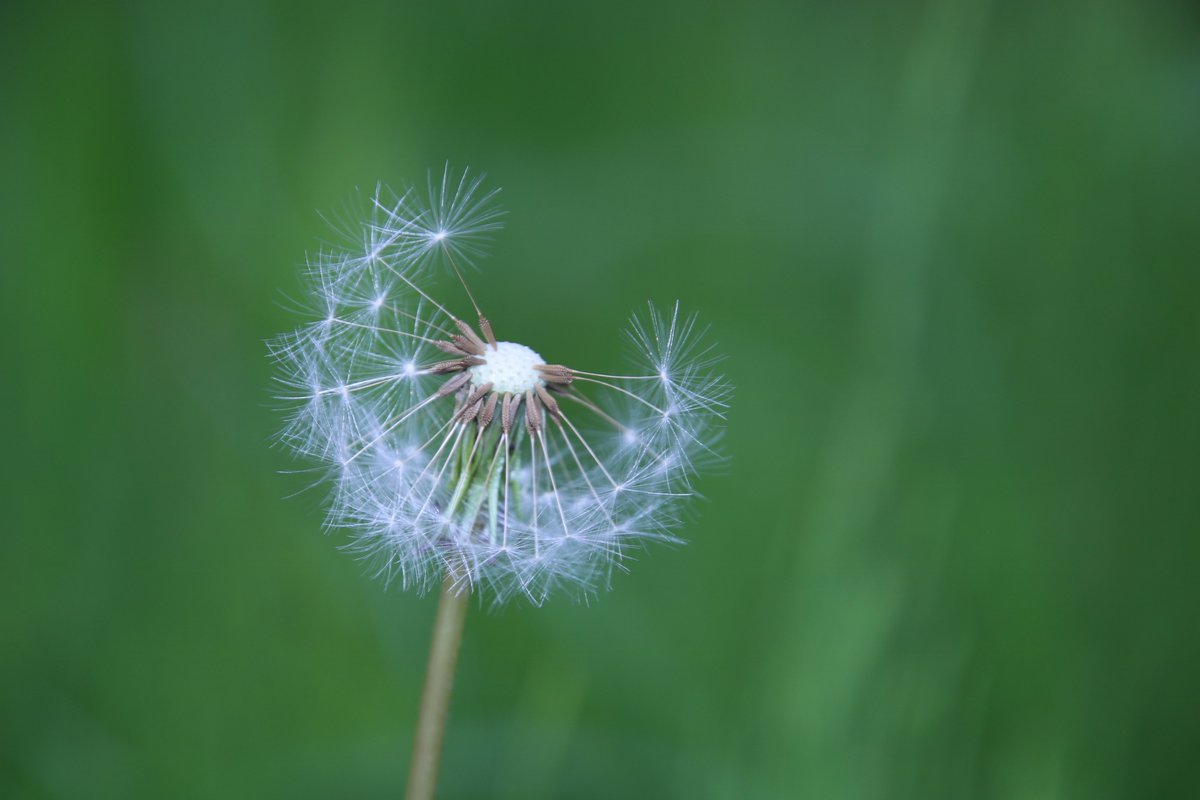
x: 510, y: 513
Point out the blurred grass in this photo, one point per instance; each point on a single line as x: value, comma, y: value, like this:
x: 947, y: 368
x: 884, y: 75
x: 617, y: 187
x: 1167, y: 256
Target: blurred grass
x: 949, y: 247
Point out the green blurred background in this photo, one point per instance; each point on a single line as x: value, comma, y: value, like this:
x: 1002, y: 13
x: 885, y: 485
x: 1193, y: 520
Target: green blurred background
x: 950, y: 249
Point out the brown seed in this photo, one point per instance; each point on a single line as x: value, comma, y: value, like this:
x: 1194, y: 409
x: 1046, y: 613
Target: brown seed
x: 449, y: 347
x: 467, y: 346
x: 469, y: 412
x: 478, y: 394
x: 555, y: 373
x: 470, y: 334
x: 509, y: 411
x: 489, y: 410
x: 533, y: 413
x: 549, y: 402
x: 444, y: 367
x: 454, y: 384
x: 485, y: 325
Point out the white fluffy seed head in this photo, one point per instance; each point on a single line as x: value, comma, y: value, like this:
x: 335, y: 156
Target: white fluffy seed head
x: 509, y: 368
x: 430, y: 473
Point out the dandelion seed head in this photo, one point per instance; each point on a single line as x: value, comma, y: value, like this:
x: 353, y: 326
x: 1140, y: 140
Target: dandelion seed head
x: 510, y: 368
x: 448, y: 450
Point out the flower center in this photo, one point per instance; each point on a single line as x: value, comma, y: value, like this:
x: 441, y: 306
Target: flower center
x: 509, y: 368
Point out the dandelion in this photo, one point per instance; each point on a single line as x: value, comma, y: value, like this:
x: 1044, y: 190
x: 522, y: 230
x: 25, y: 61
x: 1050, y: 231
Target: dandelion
x: 452, y: 451
x: 457, y: 456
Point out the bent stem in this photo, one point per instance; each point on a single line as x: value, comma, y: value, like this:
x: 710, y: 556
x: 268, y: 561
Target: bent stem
x: 435, y: 698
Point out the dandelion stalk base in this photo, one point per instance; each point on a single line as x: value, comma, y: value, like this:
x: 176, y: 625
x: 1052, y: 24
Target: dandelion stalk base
x: 435, y: 698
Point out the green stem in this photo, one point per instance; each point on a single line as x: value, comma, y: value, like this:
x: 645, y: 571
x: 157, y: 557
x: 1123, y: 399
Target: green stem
x: 435, y: 699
